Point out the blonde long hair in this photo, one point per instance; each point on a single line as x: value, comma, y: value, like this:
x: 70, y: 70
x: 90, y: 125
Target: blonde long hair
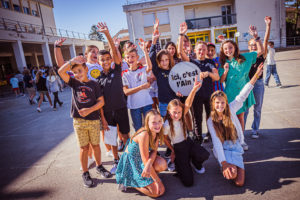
x: 225, y: 130
x: 38, y: 75
x: 146, y: 128
x: 173, y: 103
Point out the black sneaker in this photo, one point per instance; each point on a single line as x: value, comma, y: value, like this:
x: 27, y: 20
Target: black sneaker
x: 168, y: 153
x: 103, y: 172
x: 61, y: 103
x: 87, y: 180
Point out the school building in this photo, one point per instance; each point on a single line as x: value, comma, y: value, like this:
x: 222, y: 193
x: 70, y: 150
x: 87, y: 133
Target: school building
x: 28, y: 33
x: 206, y: 19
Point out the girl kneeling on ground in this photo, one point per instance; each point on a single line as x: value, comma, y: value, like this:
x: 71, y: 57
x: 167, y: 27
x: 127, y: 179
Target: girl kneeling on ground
x: 138, y: 167
x: 226, y: 131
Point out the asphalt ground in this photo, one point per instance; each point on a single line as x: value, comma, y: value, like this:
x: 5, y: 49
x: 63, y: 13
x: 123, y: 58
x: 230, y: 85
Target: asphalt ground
x: 39, y: 156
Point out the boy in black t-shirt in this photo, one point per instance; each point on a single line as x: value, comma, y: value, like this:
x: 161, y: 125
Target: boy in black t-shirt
x: 110, y: 80
x: 87, y: 99
x: 210, y: 74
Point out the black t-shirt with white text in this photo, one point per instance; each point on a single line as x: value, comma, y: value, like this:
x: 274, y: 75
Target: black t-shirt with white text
x: 112, y: 86
x: 84, y: 95
x: 207, y: 86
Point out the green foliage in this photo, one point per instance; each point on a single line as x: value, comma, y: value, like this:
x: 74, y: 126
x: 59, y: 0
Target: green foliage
x: 95, y: 35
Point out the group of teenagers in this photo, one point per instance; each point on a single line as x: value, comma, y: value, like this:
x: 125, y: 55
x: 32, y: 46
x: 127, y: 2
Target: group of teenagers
x: 106, y: 86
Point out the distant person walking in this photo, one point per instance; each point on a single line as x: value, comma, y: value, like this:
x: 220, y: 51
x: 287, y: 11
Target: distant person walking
x: 42, y: 89
x: 271, y: 66
x: 15, y: 85
x: 53, y: 85
x: 29, y: 86
x: 20, y: 76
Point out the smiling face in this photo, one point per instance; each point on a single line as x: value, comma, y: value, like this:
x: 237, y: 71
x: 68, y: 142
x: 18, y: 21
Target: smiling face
x: 200, y: 51
x: 252, y: 45
x: 220, y: 104
x: 155, y: 123
x: 175, y: 112
x: 132, y: 59
x: 171, y: 49
x: 105, y: 61
x: 164, y: 62
x: 91, y: 56
x: 229, y: 50
x: 80, y: 73
x: 211, y: 51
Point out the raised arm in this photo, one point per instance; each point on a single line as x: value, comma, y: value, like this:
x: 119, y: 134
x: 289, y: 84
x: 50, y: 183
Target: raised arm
x: 62, y: 71
x: 268, y: 20
x: 143, y: 46
x: 57, y: 52
x: 102, y: 27
x: 182, y: 32
x: 253, y: 32
x: 224, y: 75
x: 190, y: 98
x: 117, y: 44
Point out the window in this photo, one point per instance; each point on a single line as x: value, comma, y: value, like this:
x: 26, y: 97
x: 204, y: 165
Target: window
x: 163, y: 17
x: 17, y: 8
x: 5, y: 4
x: 149, y: 19
x: 26, y: 10
x: 189, y: 13
x: 35, y: 13
x: 163, y: 42
x: 199, y: 36
x: 226, y: 14
x: 227, y: 32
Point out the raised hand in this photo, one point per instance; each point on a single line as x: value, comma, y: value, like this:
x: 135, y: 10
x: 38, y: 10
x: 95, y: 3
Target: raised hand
x: 198, y: 83
x: 156, y: 24
x: 226, y: 67
x: 116, y: 41
x: 59, y: 42
x: 143, y: 45
x: 221, y: 38
x: 102, y: 27
x: 268, y: 20
x: 155, y: 36
x: 183, y: 28
x: 78, y: 60
x: 253, y: 31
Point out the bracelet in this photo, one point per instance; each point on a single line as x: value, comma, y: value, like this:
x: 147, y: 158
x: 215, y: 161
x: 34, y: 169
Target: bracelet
x: 57, y: 46
x: 257, y: 76
x: 257, y: 39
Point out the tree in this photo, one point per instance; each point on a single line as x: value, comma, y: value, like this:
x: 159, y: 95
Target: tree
x: 95, y: 35
x: 292, y: 20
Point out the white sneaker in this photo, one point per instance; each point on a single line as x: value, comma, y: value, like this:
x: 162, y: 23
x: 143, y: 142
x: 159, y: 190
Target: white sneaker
x: 255, y: 135
x: 198, y: 171
x: 90, y: 162
x: 39, y: 109
x: 245, y: 146
x: 171, y: 165
x: 115, y: 166
x: 109, y: 154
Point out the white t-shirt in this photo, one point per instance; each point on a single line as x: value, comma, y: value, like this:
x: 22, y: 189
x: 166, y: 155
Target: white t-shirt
x: 134, y: 79
x: 271, y: 56
x: 94, y: 71
x: 178, y: 131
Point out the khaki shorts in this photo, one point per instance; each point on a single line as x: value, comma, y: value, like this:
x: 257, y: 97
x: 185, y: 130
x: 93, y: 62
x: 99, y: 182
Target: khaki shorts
x: 87, y: 131
x: 31, y: 90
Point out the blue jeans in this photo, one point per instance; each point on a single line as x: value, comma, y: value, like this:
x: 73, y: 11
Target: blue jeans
x: 258, y: 92
x: 271, y: 69
x: 163, y: 108
x: 136, y: 116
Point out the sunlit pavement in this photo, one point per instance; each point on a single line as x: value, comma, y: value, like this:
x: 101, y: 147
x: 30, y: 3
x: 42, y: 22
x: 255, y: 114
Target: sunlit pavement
x: 40, y: 157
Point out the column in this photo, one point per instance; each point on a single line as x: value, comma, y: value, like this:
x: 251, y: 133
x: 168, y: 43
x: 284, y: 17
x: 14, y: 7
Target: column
x: 19, y: 55
x: 72, y: 51
x: 35, y: 57
x: 46, y: 54
x: 83, y: 49
x: 176, y: 16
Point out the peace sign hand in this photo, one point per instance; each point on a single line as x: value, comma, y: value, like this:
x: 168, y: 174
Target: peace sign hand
x: 183, y: 28
x: 253, y: 31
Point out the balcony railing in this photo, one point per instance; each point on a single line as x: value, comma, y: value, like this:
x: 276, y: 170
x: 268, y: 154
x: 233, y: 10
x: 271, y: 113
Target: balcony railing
x: 22, y: 27
x: 206, y: 22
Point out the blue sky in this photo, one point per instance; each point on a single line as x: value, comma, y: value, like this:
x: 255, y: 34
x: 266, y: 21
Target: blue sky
x: 79, y: 15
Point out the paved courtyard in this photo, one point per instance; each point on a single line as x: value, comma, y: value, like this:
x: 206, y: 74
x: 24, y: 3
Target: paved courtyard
x: 39, y: 157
